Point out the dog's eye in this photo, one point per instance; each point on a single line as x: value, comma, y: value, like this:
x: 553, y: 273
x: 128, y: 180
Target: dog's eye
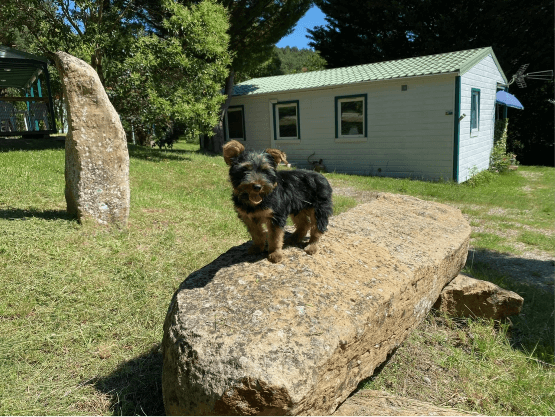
x: 247, y: 166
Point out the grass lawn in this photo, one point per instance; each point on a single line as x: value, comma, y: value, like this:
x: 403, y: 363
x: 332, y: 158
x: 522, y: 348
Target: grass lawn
x: 82, y: 307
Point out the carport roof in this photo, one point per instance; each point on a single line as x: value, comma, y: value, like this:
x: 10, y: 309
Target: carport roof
x: 19, y: 69
x: 452, y: 62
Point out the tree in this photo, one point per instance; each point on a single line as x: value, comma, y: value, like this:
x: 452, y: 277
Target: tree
x: 255, y: 27
x: 285, y: 61
x: 176, y: 78
x: 295, y: 60
x: 366, y: 31
x: 152, y: 80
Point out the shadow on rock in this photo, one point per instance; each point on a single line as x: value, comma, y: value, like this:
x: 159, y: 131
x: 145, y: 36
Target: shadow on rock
x: 236, y: 255
x: 135, y: 387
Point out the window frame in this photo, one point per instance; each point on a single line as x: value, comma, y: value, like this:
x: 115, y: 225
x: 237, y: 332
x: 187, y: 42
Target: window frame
x: 241, y: 108
x: 354, y: 97
x: 275, y: 109
x: 475, y: 92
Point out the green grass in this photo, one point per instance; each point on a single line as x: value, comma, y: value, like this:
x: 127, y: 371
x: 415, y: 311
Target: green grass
x: 82, y: 307
x: 470, y: 365
x: 544, y: 242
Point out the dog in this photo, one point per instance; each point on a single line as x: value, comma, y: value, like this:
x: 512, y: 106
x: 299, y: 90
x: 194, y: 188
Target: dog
x: 317, y: 166
x: 262, y: 195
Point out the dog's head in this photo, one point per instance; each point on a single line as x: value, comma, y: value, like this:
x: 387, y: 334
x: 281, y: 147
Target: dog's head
x: 252, y: 174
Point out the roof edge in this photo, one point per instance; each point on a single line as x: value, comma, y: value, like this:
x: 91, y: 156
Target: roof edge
x: 468, y: 64
x: 327, y: 87
x: 21, y: 54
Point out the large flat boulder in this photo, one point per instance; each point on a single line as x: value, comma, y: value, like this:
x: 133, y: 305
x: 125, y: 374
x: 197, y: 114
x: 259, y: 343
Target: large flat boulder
x: 245, y: 336
x: 97, y: 160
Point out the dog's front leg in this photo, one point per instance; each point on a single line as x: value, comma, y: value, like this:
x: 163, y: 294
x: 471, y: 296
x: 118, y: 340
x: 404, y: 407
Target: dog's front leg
x: 275, y: 243
x: 254, y: 226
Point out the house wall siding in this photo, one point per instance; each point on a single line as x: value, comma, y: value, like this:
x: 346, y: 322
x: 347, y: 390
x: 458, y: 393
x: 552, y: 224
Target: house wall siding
x: 475, y: 149
x: 409, y: 133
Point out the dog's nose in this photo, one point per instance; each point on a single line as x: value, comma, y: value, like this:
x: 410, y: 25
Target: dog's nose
x: 256, y: 187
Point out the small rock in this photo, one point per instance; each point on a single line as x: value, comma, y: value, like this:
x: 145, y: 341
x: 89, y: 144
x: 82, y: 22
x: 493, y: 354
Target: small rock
x: 469, y: 297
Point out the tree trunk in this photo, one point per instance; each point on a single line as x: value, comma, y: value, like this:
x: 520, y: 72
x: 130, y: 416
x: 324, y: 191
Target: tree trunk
x: 96, y: 63
x: 216, y: 142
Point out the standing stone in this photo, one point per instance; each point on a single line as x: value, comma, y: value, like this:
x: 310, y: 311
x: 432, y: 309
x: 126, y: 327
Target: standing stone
x: 97, y: 160
x: 245, y: 336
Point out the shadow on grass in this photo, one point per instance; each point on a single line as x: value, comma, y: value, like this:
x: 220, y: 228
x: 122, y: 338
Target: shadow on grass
x: 21, y: 214
x: 7, y: 145
x: 362, y: 384
x: 135, y: 387
x: 158, y: 155
x: 533, y: 331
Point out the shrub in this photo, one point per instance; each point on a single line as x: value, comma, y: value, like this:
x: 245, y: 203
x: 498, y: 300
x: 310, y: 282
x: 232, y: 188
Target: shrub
x: 500, y: 160
x: 476, y: 178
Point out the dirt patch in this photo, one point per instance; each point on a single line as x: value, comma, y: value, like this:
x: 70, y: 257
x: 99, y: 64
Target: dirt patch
x: 532, y: 175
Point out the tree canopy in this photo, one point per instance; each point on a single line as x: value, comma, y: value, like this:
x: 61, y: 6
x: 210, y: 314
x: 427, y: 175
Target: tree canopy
x: 366, y: 31
x: 154, y: 78
x: 285, y: 61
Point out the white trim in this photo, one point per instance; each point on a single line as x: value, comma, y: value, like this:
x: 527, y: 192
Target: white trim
x: 276, y: 115
x: 339, y: 121
x: 288, y: 141
x: 271, y: 103
x: 353, y: 139
x: 234, y: 109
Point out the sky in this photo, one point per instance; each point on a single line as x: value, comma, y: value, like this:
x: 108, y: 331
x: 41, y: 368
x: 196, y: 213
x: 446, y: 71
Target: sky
x: 314, y: 17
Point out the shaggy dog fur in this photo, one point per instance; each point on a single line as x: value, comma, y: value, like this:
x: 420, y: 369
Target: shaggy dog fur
x: 262, y: 195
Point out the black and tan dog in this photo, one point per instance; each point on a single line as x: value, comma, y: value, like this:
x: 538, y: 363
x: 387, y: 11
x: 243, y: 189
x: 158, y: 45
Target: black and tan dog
x: 265, y: 196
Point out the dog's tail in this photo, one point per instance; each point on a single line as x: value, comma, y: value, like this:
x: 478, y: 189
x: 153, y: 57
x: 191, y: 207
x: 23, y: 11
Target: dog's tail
x: 323, y: 209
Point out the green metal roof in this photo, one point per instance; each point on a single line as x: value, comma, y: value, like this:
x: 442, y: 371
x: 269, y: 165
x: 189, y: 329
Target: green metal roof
x: 19, y: 69
x: 452, y: 62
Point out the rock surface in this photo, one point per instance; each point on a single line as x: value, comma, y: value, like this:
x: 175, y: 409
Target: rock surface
x: 379, y: 403
x: 97, y: 160
x: 244, y: 336
x: 469, y: 297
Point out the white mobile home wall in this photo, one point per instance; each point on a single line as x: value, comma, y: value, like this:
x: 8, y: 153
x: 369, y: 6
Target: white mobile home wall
x: 410, y: 133
x: 475, y: 150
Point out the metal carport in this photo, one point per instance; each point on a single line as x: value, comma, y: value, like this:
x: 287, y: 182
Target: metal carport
x: 24, y: 109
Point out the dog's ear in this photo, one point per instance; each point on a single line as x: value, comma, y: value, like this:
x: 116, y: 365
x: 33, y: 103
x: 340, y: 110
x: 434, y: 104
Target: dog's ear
x: 232, y: 149
x: 278, y: 155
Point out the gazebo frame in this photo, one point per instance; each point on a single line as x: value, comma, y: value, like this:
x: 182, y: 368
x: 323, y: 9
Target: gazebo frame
x: 21, y: 70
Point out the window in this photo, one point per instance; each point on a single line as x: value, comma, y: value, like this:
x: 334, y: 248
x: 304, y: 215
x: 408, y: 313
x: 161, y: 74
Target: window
x: 286, y: 120
x: 235, y: 123
x: 350, y: 116
x: 475, y: 111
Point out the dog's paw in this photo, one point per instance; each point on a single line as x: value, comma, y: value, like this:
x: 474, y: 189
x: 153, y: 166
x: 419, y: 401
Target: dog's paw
x: 254, y: 250
x: 275, y: 257
x: 311, y: 249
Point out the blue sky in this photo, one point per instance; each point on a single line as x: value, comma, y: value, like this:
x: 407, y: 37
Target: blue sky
x: 314, y: 17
